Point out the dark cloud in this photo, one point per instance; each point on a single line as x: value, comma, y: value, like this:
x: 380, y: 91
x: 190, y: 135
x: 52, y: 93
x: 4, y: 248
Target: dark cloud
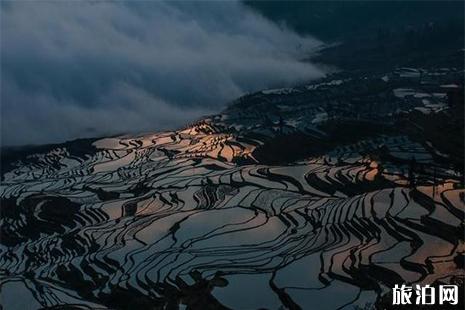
x: 76, y: 68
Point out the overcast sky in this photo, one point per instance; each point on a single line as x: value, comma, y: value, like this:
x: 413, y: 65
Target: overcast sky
x: 81, y: 69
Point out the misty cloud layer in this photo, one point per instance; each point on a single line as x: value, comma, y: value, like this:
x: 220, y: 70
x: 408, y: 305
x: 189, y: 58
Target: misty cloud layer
x: 80, y: 69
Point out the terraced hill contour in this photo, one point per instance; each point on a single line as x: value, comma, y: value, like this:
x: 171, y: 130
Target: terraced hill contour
x: 289, y: 198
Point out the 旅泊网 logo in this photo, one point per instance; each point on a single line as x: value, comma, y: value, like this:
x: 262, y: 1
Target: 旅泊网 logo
x: 425, y: 295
